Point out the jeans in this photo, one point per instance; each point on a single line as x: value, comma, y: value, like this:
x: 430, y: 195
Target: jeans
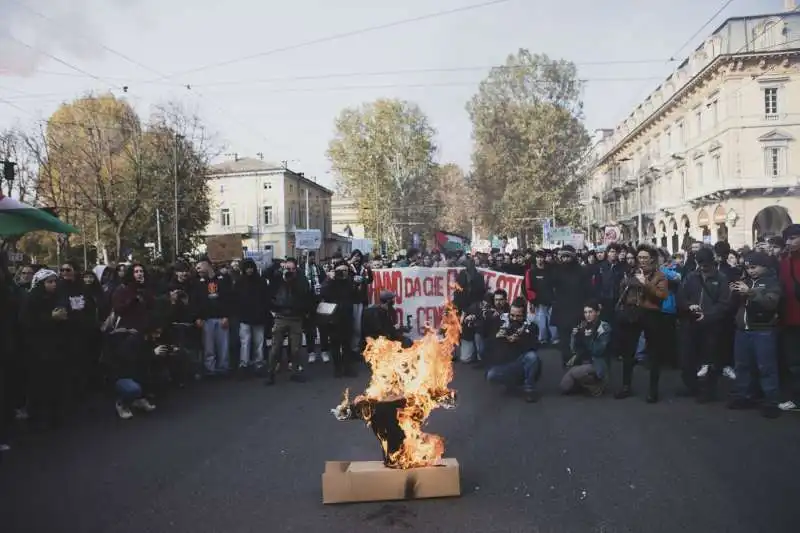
x: 251, y: 339
x: 127, y: 390
x: 467, y: 350
x: 526, y: 369
x: 542, y: 315
x: 358, y: 310
x: 756, y: 349
x: 215, y: 346
x: 480, y: 346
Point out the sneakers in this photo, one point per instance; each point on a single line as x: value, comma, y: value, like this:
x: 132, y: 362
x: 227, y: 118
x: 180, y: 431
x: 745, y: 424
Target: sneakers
x: 788, y: 406
x: 703, y: 372
x: 144, y: 404
x: 21, y: 414
x: 5, y: 448
x: 312, y: 358
x: 326, y: 357
x: 729, y: 373
x: 123, y: 411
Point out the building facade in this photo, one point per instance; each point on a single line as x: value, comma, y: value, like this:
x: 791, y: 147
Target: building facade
x: 265, y: 203
x: 345, y: 217
x: 712, y: 154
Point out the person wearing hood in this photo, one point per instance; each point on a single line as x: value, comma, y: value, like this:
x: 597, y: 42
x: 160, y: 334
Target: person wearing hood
x: 571, y: 289
x: 756, y: 343
x: 362, y: 279
x: 292, y: 301
x: 45, y: 319
x: 338, y: 290
x: 704, y: 302
x: 251, y: 307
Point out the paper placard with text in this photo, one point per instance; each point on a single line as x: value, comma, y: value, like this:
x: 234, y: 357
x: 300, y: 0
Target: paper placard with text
x: 422, y: 292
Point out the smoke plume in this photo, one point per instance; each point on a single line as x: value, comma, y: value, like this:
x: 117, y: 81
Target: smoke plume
x: 69, y: 30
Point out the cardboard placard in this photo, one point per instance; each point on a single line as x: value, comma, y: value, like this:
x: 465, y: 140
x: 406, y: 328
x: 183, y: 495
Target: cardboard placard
x: 371, y: 481
x: 223, y: 248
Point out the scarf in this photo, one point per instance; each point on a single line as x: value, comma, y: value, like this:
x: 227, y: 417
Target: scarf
x: 312, y: 274
x: 42, y: 275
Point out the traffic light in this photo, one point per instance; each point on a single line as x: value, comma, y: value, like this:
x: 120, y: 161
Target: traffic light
x: 9, y: 170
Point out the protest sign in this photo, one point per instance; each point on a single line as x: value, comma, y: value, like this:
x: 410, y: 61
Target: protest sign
x: 421, y: 292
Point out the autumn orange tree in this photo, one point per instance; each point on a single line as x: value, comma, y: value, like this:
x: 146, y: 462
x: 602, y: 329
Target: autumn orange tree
x: 103, y: 169
x: 530, y: 142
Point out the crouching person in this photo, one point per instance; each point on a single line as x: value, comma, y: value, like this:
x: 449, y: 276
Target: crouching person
x: 588, y: 368
x: 515, y: 350
x: 131, y: 364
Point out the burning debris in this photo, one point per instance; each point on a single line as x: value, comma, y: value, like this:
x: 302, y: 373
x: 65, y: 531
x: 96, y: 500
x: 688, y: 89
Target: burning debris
x: 407, y: 384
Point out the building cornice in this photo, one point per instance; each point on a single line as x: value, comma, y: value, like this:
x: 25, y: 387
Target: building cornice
x: 684, y: 91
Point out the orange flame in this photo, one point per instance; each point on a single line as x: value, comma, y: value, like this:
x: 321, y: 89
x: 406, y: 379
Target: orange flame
x: 421, y: 375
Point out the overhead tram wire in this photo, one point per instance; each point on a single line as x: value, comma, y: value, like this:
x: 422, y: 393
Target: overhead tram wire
x: 126, y: 58
x: 336, y: 37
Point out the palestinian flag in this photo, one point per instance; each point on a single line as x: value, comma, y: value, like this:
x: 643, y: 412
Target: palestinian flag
x: 17, y: 218
x: 450, y: 242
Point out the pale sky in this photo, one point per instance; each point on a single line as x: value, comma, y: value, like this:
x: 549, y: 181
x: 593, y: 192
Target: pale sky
x: 283, y: 102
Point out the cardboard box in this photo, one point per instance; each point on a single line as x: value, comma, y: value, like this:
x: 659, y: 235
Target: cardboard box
x: 371, y: 481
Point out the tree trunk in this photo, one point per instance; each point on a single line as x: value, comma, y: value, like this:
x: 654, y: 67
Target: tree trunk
x: 118, y: 242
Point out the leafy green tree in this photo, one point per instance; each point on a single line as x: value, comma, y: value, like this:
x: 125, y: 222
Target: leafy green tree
x: 529, y: 142
x: 382, y: 155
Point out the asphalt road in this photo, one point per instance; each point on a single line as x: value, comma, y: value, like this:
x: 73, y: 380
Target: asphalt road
x: 239, y: 457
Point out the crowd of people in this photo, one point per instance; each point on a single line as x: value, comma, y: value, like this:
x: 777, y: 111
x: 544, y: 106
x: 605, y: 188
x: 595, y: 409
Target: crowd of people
x: 141, y: 332
x: 711, y: 312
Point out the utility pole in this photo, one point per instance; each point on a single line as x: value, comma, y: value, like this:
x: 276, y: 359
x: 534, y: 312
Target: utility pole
x: 308, y: 212
x: 158, y: 229
x: 639, y: 201
x: 176, y: 251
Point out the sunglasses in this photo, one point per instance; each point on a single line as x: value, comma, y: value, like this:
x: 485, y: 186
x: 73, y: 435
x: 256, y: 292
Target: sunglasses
x: 66, y: 270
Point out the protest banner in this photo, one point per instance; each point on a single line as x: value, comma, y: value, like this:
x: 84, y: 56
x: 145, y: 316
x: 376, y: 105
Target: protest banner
x: 421, y: 292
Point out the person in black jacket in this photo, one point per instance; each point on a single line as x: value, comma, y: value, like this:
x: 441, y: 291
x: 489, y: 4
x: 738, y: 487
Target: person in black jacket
x: 571, y: 291
x: 704, y: 303
x: 45, y: 319
x: 214, y: 301
x: 338, y: 290
x: 251, y: 306
x: 539, y: 291
x: 362, y: 279
x: 756, y: 341
x: 292, y: 301
x: 517, y: 342
x: 380, y: 320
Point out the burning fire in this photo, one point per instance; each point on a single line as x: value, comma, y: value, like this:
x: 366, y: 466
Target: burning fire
x: 420, y: 376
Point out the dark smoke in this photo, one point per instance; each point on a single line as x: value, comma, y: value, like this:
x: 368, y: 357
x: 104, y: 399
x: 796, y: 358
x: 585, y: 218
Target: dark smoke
x: 72, y: 30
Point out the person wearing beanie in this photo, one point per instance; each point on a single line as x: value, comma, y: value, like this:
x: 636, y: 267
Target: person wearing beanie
x: 704, y: 302
x: 756, y: 341
x: 789, y: 274
x: 571, y: 289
